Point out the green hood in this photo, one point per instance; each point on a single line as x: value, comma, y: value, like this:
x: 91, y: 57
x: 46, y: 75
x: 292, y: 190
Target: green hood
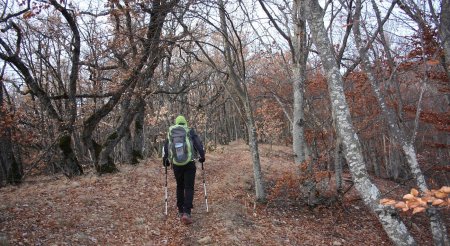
x: 180, y: 120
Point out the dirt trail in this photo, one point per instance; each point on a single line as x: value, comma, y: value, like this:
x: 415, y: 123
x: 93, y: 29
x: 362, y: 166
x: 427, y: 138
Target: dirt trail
x: 127, y: 209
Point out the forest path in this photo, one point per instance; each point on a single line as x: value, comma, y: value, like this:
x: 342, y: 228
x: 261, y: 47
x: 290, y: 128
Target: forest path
x: 127, y: 208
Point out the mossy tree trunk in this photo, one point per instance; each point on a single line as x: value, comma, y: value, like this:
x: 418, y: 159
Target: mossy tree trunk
x: 105, y: 161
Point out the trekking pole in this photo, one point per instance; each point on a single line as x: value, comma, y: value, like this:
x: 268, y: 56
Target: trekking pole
x: 204, y: 188
x: 165, y: 191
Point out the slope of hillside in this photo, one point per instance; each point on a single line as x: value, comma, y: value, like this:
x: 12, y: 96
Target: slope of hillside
x: 127, y: 209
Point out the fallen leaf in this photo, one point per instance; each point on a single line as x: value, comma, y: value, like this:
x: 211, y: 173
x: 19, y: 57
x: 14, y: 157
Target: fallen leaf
x: 437, y: 202
x: 401, y: 205
x: 418, y: 210
x: 445, y: 189
x: 387, y: 202
x: 408, y: 197
x: 441, y: 195
x: 414, y: 192
x: 433, y: 62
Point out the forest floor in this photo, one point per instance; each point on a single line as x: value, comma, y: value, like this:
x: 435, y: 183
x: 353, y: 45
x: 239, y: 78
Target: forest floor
x: 127, y: 208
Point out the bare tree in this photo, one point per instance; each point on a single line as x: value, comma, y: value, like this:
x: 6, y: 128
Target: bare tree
x: 396, y: 130
x: 395, y: 229
x: 234, y: 61
x: 11, y: 170
x: 441, y: 21
x: 141, y: 71
x: 65, y: 122
x: 298, y: 45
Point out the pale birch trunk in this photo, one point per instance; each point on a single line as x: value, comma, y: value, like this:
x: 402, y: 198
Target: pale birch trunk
x: 438, y: 228
x: 370, y: 194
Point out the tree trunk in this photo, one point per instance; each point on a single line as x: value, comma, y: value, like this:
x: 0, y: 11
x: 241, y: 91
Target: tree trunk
x: 299, y: 80
x: 440, y: 237
x: 127, y: 148
x: 394, y: 228
x: 444, y: 33
x: 253, y: 143
x: 374, y: 158
x: 396, y: 131
x: 105, y: 162
x: 298, y: 126
x: 299, y: 49
x: 138, y: 143
x: 386, y: 157
x: 127, y: 140
x: 338, y: 166
x: 11, y: 171
x: 70, y: 166
x: 238, y: 85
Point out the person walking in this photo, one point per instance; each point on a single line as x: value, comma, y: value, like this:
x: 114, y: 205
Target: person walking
x: 180, y: 149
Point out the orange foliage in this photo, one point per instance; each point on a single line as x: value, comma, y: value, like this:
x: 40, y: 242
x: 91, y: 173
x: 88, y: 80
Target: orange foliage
x: 426, y: 44
x: 416, y: 203
x: 10, y: 122
x: 440, y: 120
x: 270, y: 82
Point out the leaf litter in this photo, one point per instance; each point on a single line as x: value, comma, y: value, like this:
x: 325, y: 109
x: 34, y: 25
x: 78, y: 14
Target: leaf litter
x: 127, y: 208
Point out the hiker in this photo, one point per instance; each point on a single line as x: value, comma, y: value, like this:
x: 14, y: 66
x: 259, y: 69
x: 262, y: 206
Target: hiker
x: 181, y: 147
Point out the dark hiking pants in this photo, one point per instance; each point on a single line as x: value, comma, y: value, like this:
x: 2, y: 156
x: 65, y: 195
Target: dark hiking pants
x: 185, y: 177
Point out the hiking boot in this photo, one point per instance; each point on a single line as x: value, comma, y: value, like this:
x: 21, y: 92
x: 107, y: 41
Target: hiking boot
x: 186, y: 219
x: 179, y: 215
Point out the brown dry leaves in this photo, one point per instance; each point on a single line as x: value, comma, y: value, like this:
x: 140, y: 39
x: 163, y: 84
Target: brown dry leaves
x: 418, y: 204
x: 127, y: 208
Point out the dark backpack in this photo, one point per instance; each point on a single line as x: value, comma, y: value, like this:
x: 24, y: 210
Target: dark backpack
x: 180, y: 145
